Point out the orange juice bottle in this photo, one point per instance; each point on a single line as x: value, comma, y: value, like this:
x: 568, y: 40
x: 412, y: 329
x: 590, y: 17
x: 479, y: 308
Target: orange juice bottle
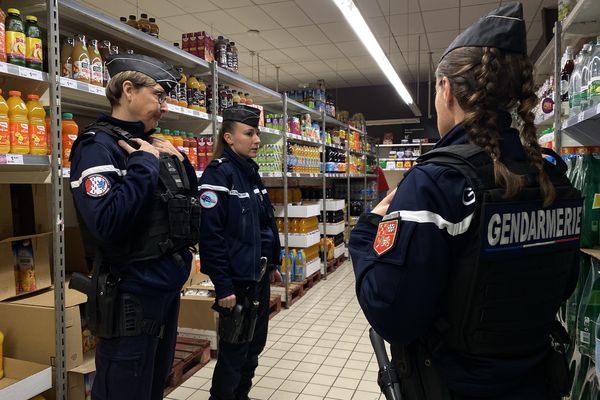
x: 4, y: 123
x: 38, y: 136
x: 177, y: 140
x: 18, y: 123
x: 167, y: 135
x: 70, y: 130
x: 303, y: 226
x: 48, y: 124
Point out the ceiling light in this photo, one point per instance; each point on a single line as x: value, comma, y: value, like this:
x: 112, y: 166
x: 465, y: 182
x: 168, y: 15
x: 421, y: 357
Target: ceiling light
x: 360, y: 27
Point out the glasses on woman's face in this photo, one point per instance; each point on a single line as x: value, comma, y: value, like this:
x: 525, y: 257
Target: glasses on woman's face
x: 161, y: 96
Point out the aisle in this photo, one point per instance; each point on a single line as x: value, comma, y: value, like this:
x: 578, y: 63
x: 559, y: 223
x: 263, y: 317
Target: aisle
x: 318, y: 349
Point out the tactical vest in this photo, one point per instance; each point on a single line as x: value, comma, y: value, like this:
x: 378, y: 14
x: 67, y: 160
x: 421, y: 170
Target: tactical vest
x: 506, y: 286
x: 170, y: 222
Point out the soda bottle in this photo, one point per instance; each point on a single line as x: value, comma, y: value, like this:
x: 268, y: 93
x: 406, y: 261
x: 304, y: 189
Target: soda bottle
x: 18, y: 123
x: 4, y: 129
x: 193, y: 95
x: 193, y: 150
x: 209, y: 150
x: 37, y: 126
x: 2, y: 36
x: 70, y: 130
x: 585, y: 76
x: 186, y: 143
x: 594, y: 86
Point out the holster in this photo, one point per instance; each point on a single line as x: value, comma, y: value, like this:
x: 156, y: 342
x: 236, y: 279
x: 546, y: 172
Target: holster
x: 237, y: 326
x: 556, y: 363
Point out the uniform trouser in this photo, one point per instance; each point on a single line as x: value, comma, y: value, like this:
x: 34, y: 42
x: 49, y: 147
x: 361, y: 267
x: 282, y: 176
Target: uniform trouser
x: 136, y: 367
x: 236, y: 363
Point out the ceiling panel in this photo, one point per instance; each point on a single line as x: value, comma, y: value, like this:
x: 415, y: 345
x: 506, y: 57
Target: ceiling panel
x: 280, y: 38
x: 299, y: 54
x: 309, y: 35
x: 469, y: 15
x: 441, y: 40
x: 338, y: 31
x: 531, y: 9
x: 287, y: 14
x: 293, y: 68
x: 116, y: 9
x: 254, y: 18
x: 399, y: 7
x: 339, y: 64
x: 255, y: 43
x: 275, y: 56
x: 316, y: 66
x: 364, y: 62
x: 226, y: 4
x: 321, y: 11
x: 169, y: 32
x: 194, y: 6
x: 326, y: 51
x: 491, y: 3
x: 157, y: 7
x: 427, y: 5
x: 221, y: 21
x: 369, y: 8
x: 192, y: 24
x: 379, y: 26
x: 441, y: 20
x: 353, y: 48
x: 407, y: 24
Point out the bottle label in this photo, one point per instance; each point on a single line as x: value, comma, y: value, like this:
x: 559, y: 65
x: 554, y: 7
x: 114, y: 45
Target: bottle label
x: 106, y: 74
x: 584, y: 93
x: 19, y: 134
x: 81, y: 69
x: 2, y: 43
x: 192, y: 96
x: 182, y: 92
x: 34, y: 53
x: 67, y: 69
x: 594, y: 87
x: 4, y: 134
x: 15, y: 46
x: 38, y: 136
x: 96, y: 73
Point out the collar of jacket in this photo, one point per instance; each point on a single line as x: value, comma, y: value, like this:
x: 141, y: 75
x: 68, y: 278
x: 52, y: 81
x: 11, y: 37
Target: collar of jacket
x: 136, y: 129
x: 246, y: 165
x: 510, y: 142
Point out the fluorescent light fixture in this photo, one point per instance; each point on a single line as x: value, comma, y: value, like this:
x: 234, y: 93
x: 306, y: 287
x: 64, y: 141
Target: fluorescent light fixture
x: 362, y: 30
x: 400, y: 121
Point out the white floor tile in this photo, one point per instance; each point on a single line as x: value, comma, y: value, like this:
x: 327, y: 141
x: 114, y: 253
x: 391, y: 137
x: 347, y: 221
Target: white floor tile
x: 292, y: 386
x: 282, y: 395
x: 181, y: 393
x: 260, y: 393
x: 200, y: 395
x: 340, y: 393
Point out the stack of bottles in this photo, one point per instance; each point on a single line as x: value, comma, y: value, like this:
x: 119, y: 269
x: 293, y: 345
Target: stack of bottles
x: 276, y: 121
x: 294, y: 195
x: 336, y: 136
x: 269, y: 158
x: 315, y: 98
x: 222, y: 50
x: 333, y: 217
x: 23, y: 126
x: 144, y: 24
x: 296, y: 260
x: 20, y: 42
x: 357, y: 165
x: 299, y: 226
x: 190, y: 93
x: 335, y: 160
x: 315, y: 193
x: 303, y: 159
x: 197, y: 149
x: 308, y: 128
x: 84, y: 59
x: 584, y: 86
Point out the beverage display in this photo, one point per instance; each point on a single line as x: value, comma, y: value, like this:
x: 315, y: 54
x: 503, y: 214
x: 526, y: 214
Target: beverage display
x: 132, y: 22
x: 196, y: 94
x: 33, y: 44
x: 70, y: 131
x: 2, y: 36
x: 38, y: 135
x: 221, y: 52
x: 154, y: 29
x: 105, y: 49
x: 568, y: 66
x: 66, y: 58
x: 15, y: 38
x: 143, y: 24
x: 18, y: 123
x: 594, y: 84
x: 303, y: 159
x: 182, y: 92
x: 96, y: 64
x: 81, y: 60
x: 4, y: 126
x: 269, y: 158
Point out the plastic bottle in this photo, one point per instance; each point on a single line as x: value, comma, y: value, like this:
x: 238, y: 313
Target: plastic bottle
x: 193, y: 87
x: 167, y: 135
x: 568, y: 66
x: 132, y: 22
x: 70, y: 130
x: 221, y: 52
x: 209, y: 150
x: 154, y: 29
x: 4, y: 126
x: 201, y: 96
x: 182, y: 100
x: 193, y: 156
x: 123, y: 20
x: 186, y: 143
x: 105, y: 50
x: 594, y: 86
x: 249, y: 100
x: 34, y: 54
x: 66, y: 58
x: 96, y: 64
x: 144, y: 24
x: 15, y: 38
x: 81, y: 60
x: 575, y: 87
x: 48, y: 124
x: 177, y: 140
x: 229, y: 55
x: 236, y: 59
x: 201, y: 154
x: 158, y: 133
x: 585, y: 76
x: 236, y: 97
x: 2, y: 36
x: 229, y: 96
x: 18, y: 123
x: 38, y: 136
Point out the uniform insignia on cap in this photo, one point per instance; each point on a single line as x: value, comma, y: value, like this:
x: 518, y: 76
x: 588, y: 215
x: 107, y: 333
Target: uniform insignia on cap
x: 386, y: 236
x: 96, y: 185
x: 208, y: 199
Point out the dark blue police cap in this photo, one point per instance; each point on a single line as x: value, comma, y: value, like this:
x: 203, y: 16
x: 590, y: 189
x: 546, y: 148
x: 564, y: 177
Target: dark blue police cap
x: 503, y: 28
x: 164, y: 74
x: 242, y: 113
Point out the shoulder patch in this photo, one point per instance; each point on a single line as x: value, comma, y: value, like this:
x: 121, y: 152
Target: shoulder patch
x: 387, y: 232
x: 97, y: 185
x: 209, y: 199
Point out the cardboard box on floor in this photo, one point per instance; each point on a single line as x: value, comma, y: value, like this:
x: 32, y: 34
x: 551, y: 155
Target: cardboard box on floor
x: 24, y: 379
x: 41, y: 258
x: 81, y: 379
x: 196, y: 312
x: 29, y: 328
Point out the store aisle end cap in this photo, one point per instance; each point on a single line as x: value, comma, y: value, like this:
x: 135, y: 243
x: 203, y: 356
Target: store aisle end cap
x: 164, y: 74
x: 244, y: 114
x: 503, y: 28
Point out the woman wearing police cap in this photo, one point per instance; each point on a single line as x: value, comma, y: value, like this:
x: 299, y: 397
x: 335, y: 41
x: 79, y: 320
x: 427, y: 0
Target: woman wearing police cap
x: 127, y: 187
x: 464, y: 266
x: 239, y: 250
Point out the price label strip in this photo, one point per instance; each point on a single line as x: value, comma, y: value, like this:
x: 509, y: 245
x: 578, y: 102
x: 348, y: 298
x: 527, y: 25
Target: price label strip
x: 14, y: 159
x: 3, y: 67
x: 70, y: 83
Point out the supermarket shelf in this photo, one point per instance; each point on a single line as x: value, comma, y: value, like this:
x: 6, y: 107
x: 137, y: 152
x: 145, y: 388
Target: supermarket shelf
x: 14, y: 71
x: 336, y: 175
x: 334, y: 205
x: 335, y: 146
x: 302, y: 139
x: 298, y: 108
x: 371, y: 175
x: 399, y: 159
x: 313, y: 266
x: 583, y: 127
x: 329, y: 120
x: 302, y: 211
x: 24, y: 380
x: 301, y: 240
x: 592, y: 252
x: 302, y: 175
x: 260, y: 93
x: 544, y: 121
x: 356, y: 152
x: 356, y: 130
x: 271, y: 174
x: 76, y: 17
x: 24, y: 162
x: 396, y: 169
x: 406, y: 145
x: 270, y: 131
x: 189, y: 112
x: 339, y: 250
x: 545, y: 63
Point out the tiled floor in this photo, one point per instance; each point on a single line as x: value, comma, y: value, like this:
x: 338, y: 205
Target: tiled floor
x: 318, y: 349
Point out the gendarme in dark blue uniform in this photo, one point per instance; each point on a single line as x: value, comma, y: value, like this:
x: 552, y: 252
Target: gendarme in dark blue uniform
x: 237, y: 229
x: 115, y: 195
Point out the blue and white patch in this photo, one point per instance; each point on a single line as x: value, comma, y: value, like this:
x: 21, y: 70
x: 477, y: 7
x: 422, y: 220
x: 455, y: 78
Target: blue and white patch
x: 96, y: 185
x: 208, y: 199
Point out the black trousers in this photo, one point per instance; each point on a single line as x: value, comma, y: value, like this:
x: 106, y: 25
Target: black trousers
x: 236, y: 363
x: 136, y: 367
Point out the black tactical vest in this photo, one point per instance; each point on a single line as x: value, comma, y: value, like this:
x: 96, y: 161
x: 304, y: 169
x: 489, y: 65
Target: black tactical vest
x: 507, y: 285
x: 171, y: 220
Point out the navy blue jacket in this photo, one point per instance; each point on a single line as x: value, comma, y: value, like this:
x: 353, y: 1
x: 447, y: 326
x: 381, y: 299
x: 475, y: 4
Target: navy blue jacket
x: 401, y: 291
x: 233, y: 197
x: 110, y: 189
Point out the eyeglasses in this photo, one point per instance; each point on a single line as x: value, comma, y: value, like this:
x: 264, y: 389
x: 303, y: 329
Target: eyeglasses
x: 161, y: 96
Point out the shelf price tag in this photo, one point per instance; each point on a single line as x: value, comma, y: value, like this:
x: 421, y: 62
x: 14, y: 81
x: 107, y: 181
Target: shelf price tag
x: 70, y: 83
x: 580, y: 117
x: 203, y: 115
x: 14, y: 159
x: 66, y: 172
x: 3, y: 67
x: 96, y: 90
x: 598, y: 109
x: 188, y: 111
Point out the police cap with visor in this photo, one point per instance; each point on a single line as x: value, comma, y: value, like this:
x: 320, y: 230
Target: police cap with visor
x: 242, y: 113
x: 502, y: 28
x: 164, y: 74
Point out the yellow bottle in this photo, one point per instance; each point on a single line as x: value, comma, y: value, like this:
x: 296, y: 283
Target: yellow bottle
x: 38, y: 137
x: 18, y: 123
x: 193, y: 93
x: 4, y: 130
x: 1, y: 355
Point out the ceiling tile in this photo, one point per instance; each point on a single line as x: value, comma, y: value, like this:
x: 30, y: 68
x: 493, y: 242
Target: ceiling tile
x: 309, y: 35
x: 232, y: 3
x: 254, y: 18
x: 119, y: 9
x: 379, y: 26
x: 280, y: 38
x: 407, y: 24
x: 491, y: 3
x: 316, y: 66
x: 428, y: 5
x: 307, y: 77
x: 326, y: 51
x: 364, y: 62
x: 169, y: 32
x: 531, y: 10
x: 339, y: 64
x: 399, y: 7
x: 352, y: 75
x: 157, y: 8
x: 321, y: 11
x: 441, y: 20
x: 189, y: 23
x: 194, y: 6
x: 299, y: 54
x: 293, y: 68
x: 440, y: 40
x: 369, y: 8
x: 221, y: 21
x: 535, y: 31
x: 406, y: 43
x: 352, y: 49
x: 255, y: 43
x: 469, y: 15
x: 338, y: 31
x: 275, y: 56
x: 287, y: 14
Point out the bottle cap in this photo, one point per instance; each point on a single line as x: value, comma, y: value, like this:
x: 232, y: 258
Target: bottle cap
x: 153, y: 20
x: 132, y: 17
x: 31, y: 18
x: 14, y: 11
x: 33, y: 97
x: 144, y: 15
x: 14, y: 93
x: 67, y: 116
